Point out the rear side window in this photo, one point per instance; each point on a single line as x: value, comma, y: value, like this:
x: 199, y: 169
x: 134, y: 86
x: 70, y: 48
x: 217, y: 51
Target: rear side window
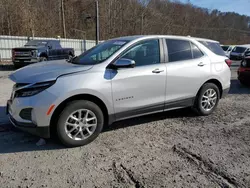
x: 214, y: 47
x: 196, y: 51
x: 178, y: 50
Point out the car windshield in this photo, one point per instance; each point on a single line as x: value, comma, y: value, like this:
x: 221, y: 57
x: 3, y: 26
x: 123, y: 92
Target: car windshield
x: 214, y: 47
x: 239, y: 49
x: 36, y: 43
x: 225, y: 48
x: 99, y: 53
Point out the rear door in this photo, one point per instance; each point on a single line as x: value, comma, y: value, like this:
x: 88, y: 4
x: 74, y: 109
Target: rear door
x: 140, y: 90
x: 187, y: 69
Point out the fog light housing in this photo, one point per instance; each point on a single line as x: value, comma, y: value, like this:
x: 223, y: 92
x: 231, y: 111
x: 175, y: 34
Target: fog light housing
x: 26, y: 114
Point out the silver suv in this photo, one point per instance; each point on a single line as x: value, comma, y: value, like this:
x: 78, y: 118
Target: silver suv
x: 118, y: 79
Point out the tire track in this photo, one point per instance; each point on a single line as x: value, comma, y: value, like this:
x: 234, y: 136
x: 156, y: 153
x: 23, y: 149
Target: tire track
x: 207, y: 167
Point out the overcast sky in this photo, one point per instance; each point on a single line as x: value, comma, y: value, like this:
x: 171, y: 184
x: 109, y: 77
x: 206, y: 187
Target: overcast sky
x: 239, y: 6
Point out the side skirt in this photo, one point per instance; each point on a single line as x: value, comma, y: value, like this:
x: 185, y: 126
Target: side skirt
x: 152, y: 109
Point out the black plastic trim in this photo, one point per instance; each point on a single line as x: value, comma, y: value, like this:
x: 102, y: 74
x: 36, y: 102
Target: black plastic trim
x: 225, y: 92
x: 152, y: 109
x: 139, y: 111
x: 180, y: 103
x: 43, y: 132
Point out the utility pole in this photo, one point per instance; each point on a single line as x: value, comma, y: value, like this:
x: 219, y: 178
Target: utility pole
x: 63, y: 19
x: 97, y: 22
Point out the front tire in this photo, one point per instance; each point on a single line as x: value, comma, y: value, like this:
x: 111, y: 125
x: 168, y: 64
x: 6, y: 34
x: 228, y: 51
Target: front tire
x: 207, y: 99
x: 79, y: 123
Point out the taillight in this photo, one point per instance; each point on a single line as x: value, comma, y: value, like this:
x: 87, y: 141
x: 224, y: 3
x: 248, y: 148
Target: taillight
x: 228, y: 62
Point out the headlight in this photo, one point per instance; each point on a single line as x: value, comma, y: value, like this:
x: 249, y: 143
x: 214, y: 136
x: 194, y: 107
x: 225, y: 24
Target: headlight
x: 33, y: 89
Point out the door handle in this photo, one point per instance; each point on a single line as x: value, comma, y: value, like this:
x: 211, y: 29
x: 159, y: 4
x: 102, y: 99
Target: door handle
x: 157, y: 71
x: 201, y: 64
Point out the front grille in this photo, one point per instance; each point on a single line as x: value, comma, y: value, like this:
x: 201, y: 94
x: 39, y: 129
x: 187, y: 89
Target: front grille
x: 26, y: 113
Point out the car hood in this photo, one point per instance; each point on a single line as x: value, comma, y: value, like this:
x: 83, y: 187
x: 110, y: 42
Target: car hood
x: 46, y: 71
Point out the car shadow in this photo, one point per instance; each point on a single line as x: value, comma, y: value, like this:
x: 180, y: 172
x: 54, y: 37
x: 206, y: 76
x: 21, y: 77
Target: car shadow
x: 180, y: 113
x: 238, y: 88
x: 14, y: 140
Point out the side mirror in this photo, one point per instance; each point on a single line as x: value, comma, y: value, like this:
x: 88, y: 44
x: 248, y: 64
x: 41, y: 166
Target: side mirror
x: 124, y: 63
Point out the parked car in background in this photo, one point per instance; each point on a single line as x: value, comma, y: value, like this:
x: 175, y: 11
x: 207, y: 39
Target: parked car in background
x: 244, y: 70
x: 40, y: 50
x: 227, y: 49
x: 238, y: 52
x: 118, y: 79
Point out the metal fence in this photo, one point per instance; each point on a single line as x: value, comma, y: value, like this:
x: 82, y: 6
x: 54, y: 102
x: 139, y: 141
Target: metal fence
x: 9, y: 42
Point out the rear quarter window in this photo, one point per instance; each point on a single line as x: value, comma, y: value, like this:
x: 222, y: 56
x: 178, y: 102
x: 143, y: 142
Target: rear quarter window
x: 214, y: 47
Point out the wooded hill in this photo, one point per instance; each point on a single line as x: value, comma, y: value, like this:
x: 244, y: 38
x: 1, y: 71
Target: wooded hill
x: 119, y: 18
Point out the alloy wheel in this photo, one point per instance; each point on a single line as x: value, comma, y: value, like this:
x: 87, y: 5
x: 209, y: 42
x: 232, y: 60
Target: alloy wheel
x: 209, y: 99
x: 81, y: 124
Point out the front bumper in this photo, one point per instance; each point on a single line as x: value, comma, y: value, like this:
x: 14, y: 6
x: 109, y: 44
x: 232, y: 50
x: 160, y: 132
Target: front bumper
x: 22, y: 62
x: 37, y: 121
x: 43, y: 132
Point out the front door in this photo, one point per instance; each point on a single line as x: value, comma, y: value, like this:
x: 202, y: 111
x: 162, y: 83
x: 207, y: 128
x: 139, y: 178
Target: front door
x: 140, y: 90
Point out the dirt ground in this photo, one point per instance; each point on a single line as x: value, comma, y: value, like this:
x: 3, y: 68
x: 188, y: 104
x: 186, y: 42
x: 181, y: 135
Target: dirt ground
x: 172, y: 149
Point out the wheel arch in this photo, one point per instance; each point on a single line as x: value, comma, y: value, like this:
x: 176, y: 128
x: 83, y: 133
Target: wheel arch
x: 63, y: 104
x: 216, y: 82
x: 43, y: 54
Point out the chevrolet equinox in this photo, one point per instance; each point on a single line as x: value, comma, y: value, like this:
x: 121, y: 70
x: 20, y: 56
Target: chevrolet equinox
x: 115, y: 80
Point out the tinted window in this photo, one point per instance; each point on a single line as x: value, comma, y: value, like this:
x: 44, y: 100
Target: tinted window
x: 55, y: 44
x: 144, y: 53
x: 225, y: 48
x: 214, y: 47
x: 178, y: 50
x: 239, y: 49
x: 196, y: 51
x: 36, y: 43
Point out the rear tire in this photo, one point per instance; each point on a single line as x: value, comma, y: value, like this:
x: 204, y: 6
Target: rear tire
x: 79, y: 116
x: 244, y: 83
x: 207, y: 99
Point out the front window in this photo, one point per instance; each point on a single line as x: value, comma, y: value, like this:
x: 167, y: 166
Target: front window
x: 36, y: 43
x: 100, y: 53
x: 144, y: 53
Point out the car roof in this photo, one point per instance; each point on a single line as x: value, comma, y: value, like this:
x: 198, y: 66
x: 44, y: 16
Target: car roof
x: 46, y: 40
x: 134, y: 37
x: 244, y: 45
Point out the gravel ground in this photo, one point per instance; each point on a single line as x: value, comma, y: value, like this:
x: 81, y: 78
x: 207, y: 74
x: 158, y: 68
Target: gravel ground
x: 172, y: 149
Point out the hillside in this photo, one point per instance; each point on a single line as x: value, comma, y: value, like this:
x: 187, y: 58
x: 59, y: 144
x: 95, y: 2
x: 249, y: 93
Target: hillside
x: 120, y: 17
